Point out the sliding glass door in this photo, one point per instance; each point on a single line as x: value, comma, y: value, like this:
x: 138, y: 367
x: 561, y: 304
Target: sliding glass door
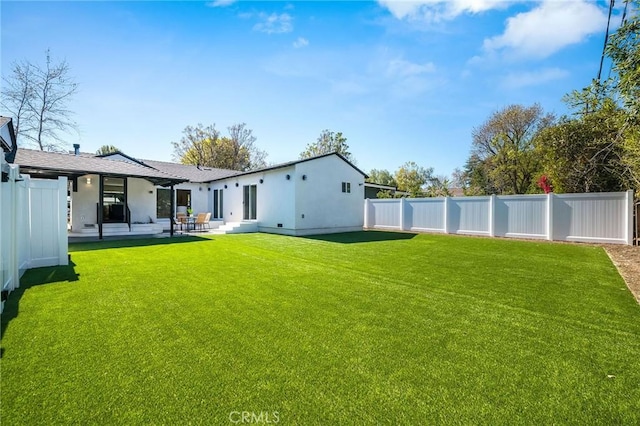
x: 249, y: 202
x: 114, y: 200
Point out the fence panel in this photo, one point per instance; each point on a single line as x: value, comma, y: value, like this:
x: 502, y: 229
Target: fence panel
x: 384, y: 214
x: 521, y: 216
x: 592, y: 217
x: 47, y: 219
x: 424, y: 214
x: 469, y: 215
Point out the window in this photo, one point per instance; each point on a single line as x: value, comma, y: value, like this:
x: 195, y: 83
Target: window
x: 346, y: 187
x: 163, y: 203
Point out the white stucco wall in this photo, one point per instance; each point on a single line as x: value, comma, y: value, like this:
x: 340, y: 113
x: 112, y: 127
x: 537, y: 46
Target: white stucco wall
x: 275, y: 198
x: 319, y: 198
x: 141, y: 197
x: 84, y: 200
x: 321, y: 206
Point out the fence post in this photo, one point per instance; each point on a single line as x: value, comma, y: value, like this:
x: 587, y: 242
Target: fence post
x: 629, y: 217
x: 402, y: 201
x: 366, y: 213
x: 446, y: 215
x: 550, y: 216
x: 63, y: 241
x: 492, y: 215
x: 14, y: 259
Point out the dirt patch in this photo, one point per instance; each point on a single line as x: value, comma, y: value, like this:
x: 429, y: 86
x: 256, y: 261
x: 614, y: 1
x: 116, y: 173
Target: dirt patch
x: 627, y: 260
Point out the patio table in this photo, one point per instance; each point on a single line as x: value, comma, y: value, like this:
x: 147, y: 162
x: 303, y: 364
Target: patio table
x: 190, y: 221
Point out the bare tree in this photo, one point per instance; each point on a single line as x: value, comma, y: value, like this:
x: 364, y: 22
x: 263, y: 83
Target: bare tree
x: 37, y: 97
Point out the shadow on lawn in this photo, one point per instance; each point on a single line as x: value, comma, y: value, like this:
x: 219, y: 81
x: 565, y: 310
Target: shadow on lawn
x: 137, y: 242
x: 32, y: 278
x: 361, y: 237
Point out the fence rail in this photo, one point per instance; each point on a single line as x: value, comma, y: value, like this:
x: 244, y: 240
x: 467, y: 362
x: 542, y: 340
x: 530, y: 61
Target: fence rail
x: 592, y: 217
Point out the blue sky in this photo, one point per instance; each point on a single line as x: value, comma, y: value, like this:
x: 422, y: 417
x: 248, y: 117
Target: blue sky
x: 403, y: 81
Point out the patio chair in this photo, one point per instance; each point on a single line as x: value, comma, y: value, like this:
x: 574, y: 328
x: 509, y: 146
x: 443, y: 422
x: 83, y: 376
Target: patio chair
x: 200, y: 221
x: 177, y: 222
x: 207, y: 218
x: 181, y: 218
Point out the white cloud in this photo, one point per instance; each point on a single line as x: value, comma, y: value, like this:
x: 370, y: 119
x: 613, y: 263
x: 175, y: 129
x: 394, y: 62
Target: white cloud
x: 274, y: 23
x: 533, y: 78
x: 439, y: 10
x: 403, y: 68
x: 220, y: 3
x: 300, y: 42
x: 548, y: 28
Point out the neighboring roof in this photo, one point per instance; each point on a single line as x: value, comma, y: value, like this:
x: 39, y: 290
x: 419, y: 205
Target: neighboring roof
x: 456, y: 192
x: 135, y: 160
x: 52, y: 164
x: 293, y: 163
x: 189, y: 171
x: 379, y: 186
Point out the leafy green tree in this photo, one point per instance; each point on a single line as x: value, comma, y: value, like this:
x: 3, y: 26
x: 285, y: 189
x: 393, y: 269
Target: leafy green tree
x: 503, y: 149
x: 585, y: 154
x: 439, y: 186
x: 328, y: 142
x: 624, y: 50
x: 382, y: 177
x: 204, y: 146
x: 413, y: 179
x: 107, y: 149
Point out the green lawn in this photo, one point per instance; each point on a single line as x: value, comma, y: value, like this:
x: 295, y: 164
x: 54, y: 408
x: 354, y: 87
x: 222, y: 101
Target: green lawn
x: 352, y: 329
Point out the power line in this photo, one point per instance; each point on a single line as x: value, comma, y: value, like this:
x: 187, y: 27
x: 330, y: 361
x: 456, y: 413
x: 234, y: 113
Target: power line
x: 622, y: 22
x: 606, y: 38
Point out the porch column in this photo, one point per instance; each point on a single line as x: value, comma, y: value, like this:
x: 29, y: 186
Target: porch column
x: 172, y: 214
x: 100, y: 204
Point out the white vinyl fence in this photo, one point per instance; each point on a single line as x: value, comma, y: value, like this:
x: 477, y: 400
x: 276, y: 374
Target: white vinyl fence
x: 592, y: 217
x: 33, y: 224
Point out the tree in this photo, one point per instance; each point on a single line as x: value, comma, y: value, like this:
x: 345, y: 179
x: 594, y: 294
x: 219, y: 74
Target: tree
x: 107, y: 149
x: 413, y: 178
x: 583, y: 155
x: 503, y: 147
x: 473, y: 178
x: 382, y: 177
x: 439, y: 186
x: 328, y: 142
x: 624, y: 50
x: 203, y: 146
x: 37, y: 97
x: 586, y: 153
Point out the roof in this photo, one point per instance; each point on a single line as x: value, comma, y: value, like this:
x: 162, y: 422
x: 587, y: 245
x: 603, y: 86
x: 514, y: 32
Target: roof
x: 53, y: 164
x: 191, y: 172
x: 380, y: 186
x: 293, y: 163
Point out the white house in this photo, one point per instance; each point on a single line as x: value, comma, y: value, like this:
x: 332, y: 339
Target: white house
x: 317, y: 195
x: 117, y: 194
